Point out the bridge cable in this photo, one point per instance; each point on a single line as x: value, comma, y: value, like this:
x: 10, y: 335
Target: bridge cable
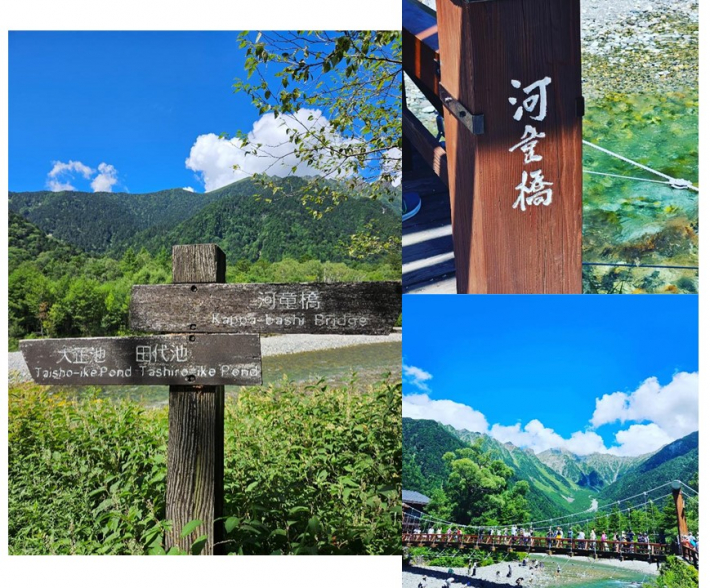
x: 536, y: 525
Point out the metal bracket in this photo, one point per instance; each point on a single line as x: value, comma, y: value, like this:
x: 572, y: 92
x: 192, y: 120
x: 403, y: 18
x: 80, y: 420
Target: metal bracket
x: 473, y: 122
x: 579, y: 106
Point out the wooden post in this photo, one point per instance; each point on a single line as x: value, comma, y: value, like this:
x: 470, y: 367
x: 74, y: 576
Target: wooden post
x: 195, y: 482
x: 511, y: 85
x: 680, y: 514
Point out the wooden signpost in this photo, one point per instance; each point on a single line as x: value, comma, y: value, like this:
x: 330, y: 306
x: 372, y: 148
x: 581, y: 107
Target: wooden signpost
x: 511, y: 86
x: 213, y: 340
x: 366, y: 308
x: 158, y: 360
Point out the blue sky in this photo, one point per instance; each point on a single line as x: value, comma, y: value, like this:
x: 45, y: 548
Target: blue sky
x: 140, y: 103
x: 585, y: 373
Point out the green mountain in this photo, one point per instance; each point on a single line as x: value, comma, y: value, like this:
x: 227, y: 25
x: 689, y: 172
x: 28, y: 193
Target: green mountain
x: 26, y: 242
x: 423, y: 445
x: 425, y: 442
x: 100, y: 222
x: 550, y: 493
x: 560, y: 482
x: 249, y: 221
x: 676, y: 461
x: 589, y: 471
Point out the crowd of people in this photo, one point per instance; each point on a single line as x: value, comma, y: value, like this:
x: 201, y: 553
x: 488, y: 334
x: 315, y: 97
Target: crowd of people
x: 620, y: 542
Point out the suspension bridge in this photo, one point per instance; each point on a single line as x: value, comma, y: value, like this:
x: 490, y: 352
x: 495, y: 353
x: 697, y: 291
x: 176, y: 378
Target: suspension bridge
x: 545, y: 536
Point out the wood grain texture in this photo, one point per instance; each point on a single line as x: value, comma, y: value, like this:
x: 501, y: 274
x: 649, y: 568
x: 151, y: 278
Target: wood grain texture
x: 340, y: 308
x: 195, y: 481
x: 147, y: 361
x: 483, y: 47
x: 195, y: 485
x: 198, y: 263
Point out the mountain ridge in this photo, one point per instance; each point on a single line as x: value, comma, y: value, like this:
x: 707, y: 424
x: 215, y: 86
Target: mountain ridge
x: 245, y: 218
x: 552, y: 493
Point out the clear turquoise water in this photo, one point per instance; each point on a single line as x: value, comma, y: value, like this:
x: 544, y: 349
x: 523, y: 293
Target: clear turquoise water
x: 639, y: 222
x: 589, y: 574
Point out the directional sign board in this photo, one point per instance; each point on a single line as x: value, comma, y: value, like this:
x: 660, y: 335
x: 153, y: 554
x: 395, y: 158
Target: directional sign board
x: 154, y: 360
x: 365, y: 308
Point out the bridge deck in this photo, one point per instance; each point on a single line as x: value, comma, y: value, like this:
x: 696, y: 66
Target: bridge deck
x: 597, y: 549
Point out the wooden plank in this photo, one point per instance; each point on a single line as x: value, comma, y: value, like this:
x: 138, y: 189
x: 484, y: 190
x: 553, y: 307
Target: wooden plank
x: 195, y: 480
x: 426, y: 250
x: 149, y: 361
x: 420, y: 49
x: 496, y: 60
x: 426, y: 144
x: 365, y: 308
x: 426, y: 275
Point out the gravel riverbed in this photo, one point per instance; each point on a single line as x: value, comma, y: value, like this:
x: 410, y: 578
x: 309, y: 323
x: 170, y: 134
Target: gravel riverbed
x: 495, y: 574
x: 270, y: 346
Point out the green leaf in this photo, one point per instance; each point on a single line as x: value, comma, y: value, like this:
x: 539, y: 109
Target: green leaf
x: 198, y: 545
x: 190, y: 527
x: 230, y: 524
x: 298, y: 509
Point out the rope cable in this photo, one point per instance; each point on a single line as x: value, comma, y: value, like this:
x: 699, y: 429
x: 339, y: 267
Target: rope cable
x: 596, y: 173
x: 674, y: 182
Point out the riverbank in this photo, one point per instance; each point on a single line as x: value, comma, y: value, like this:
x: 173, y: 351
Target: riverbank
x: 573, y: 571
x: 278, y: 345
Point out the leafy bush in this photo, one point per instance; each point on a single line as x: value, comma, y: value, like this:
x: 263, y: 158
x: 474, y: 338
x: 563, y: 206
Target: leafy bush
x: 84, y: 477
x: 675, y: 573
x: 314, y: 470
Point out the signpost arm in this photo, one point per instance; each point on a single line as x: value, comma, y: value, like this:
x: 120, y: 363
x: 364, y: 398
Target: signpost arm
x: 195, y: 482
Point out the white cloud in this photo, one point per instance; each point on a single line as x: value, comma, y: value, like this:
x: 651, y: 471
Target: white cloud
x: 673, y: 407
x: 671, y: 410
x: 106, y: 179
x: 60, y: 176
x: 448, y: 412
x: 539, y: 438
x: 57, y: 186
x: 214, y: 158
x: 640, y: 439
x: 416, y: 376
x: 188, y: 189
x: 391, y: 159
x: 58, y: 179
x: 60, y: 168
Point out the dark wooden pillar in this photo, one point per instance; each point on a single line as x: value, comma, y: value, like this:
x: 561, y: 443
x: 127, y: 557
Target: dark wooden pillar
x: 195, y: 483
x: 511, y: 73
x: 680, y: 514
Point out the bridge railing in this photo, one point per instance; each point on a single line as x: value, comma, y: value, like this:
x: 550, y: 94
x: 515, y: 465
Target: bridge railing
x: 538, y: 544
x: 690, y: 554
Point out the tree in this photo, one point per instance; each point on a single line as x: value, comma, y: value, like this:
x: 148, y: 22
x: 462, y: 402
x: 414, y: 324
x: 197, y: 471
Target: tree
x: 477, y: 488
x: 340, y: 99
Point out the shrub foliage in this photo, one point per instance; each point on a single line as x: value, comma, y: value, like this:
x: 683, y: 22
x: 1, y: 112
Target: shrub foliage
x: 307, y: 470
